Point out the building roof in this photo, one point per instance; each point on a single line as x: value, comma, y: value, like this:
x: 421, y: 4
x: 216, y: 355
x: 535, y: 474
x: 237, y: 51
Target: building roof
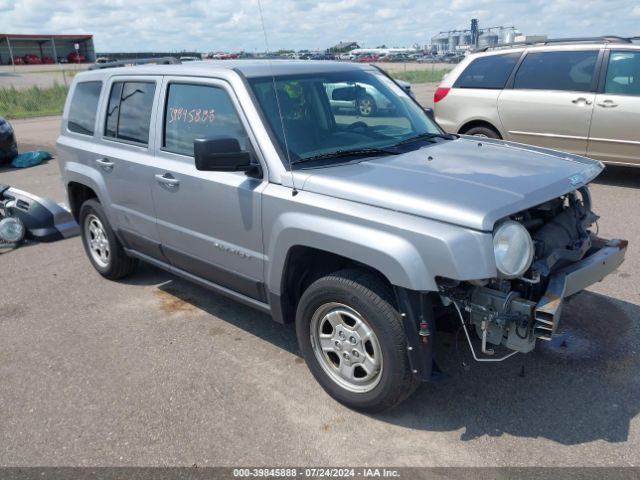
x: 345, y: 45
x: 26, y: 36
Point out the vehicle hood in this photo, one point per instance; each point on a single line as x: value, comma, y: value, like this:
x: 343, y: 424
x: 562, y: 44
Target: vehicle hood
x: 468, y: 181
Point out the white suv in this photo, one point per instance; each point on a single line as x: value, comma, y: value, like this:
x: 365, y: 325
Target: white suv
x: 579, y: 96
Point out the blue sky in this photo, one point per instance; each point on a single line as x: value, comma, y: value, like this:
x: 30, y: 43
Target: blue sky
x: 134, y: 25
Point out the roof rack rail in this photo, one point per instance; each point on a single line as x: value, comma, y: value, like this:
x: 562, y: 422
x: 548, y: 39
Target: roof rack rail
x: 605, y: 38
x: 552, y: 41
x: 135, y: 61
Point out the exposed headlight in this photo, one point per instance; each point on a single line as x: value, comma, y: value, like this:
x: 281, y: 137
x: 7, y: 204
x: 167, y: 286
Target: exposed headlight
x: 513, y: 249
x: 11, y: 230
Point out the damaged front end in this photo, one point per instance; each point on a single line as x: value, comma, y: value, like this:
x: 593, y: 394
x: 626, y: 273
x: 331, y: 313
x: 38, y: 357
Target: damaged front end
x: 24, y: 215
x: 544, y: 255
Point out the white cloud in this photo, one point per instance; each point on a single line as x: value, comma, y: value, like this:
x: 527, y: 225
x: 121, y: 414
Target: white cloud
x: 387, y: 13
x: 126, y: 25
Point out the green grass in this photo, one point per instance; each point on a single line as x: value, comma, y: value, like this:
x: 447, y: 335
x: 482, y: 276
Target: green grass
x: 421, y: 76
x: 32, y: 102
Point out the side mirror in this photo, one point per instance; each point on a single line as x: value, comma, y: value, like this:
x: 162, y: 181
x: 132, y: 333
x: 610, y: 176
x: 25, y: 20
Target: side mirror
x: 429, y: 112
x: 221, y: 154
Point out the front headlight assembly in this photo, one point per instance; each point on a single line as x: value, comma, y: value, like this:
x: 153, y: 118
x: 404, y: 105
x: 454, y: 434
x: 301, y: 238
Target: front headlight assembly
x: 513, y: 249
x: 12, y: 230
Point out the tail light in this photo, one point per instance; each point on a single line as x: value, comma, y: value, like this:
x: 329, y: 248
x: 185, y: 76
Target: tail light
x: 440, y: 94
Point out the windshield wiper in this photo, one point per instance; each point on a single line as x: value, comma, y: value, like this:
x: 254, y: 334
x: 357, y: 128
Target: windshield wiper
x: 425, y: 136
x: 347, y: 153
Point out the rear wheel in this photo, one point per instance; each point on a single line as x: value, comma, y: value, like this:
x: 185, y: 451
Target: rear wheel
x: 103, y: 248
x: 352, y: 340
x: 483, y: 131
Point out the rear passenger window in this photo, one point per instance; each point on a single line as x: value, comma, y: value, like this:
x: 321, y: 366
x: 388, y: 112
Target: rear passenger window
x: 199, y: 111
x: 623, y: 73
x: 571, y: 71
x: 84, y: 104
x: 488, y: 72
x: 129, y: 111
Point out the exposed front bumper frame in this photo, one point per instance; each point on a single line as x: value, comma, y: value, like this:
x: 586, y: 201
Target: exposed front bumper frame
x: 572, y: 279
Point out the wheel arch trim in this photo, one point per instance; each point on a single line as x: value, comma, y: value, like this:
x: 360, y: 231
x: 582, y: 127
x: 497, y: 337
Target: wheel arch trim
x: 479, y: 122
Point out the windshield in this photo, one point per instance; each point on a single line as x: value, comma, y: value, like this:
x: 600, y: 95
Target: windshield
x: 336, y: 114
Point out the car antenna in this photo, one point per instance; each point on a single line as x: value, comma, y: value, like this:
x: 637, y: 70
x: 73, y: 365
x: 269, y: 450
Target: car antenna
x: 294, y: 192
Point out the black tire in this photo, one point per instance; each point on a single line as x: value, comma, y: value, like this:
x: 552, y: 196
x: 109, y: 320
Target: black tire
x: 372, y: 298
x: 487, y: 132
x: 367, y: 106
x: 8, y: 153
x: 119, y: 264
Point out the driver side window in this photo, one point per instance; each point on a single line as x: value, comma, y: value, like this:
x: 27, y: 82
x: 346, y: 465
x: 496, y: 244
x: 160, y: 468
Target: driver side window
x: 199, y: 111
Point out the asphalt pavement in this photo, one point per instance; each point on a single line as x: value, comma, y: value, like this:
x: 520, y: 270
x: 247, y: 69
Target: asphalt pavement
x: 153, y: 370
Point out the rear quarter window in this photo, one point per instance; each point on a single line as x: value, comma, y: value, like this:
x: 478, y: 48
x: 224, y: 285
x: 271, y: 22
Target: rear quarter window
x: 566, y: 71
x: 623, y: 73
x: 84, y: 104
x: 490, y: 72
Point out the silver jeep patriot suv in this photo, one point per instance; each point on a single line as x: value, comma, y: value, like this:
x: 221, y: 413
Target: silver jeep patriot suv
x: 241, y: 177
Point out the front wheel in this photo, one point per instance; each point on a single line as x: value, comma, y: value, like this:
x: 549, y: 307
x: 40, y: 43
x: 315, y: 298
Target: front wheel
x: 352, y: 340
x: 367, y: 106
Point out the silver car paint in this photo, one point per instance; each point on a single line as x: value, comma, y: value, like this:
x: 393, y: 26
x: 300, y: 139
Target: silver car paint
x: 224, y: 208
x: 466, y: 182
x: 409, y: 250
x: 358, y: 211
x: 124, y: 188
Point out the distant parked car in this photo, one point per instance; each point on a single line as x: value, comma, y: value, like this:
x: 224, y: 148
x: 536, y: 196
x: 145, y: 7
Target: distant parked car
x: 579, y: 96
x: 367, y: 58
x: 75, y: 57
x: 48, y: 60
x: 395, y: 57
x: 17, y: 61
x: 219, y: 55
x: 429, y: 59
x: 364, y: 98
x: 62, y: 60
x: 30, y: 59
x: 189, y: 59
x: 457, y: 58
x: 347, y: 56
x: 322, y: 56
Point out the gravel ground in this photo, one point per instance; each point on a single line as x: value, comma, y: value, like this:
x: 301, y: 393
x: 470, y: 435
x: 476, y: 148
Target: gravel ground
x: 156, y: 371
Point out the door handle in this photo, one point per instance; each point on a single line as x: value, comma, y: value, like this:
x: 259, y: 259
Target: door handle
x: 581, y: 100
x: 105, y: 164
x: 167, y: 180
x: 608, y: 104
